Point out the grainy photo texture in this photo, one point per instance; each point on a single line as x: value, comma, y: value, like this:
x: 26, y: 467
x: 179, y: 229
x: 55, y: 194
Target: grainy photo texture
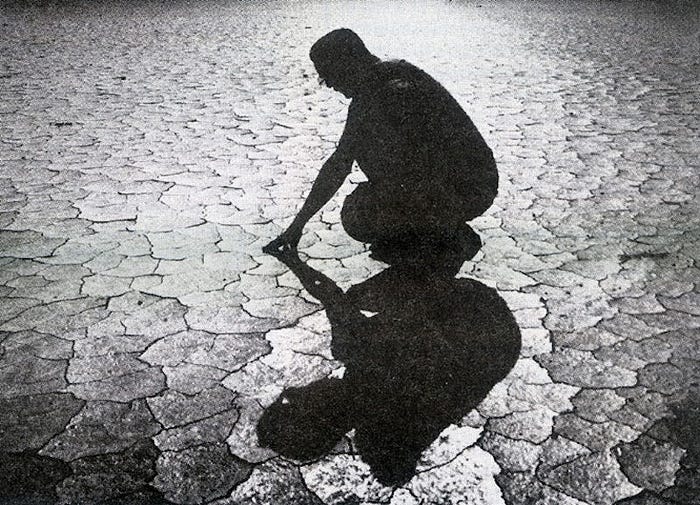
x: 349, y: 252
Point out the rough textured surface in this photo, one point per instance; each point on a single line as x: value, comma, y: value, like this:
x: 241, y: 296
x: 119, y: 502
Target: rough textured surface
x: 149, y: 150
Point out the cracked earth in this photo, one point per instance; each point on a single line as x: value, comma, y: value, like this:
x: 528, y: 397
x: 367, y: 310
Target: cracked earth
x: 148, y: 151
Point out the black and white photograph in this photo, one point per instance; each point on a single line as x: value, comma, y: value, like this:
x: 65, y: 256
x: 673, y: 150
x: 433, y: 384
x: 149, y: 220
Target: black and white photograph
x: 349, y: 252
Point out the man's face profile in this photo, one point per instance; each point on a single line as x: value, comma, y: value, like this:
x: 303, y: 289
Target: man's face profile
x: 331, y: 80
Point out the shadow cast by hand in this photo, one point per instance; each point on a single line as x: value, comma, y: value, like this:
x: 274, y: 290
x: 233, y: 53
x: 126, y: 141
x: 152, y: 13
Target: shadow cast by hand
x: 421, y: 350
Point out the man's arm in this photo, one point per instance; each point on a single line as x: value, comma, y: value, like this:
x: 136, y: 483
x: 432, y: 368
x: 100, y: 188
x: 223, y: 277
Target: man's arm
x: 329, y: 179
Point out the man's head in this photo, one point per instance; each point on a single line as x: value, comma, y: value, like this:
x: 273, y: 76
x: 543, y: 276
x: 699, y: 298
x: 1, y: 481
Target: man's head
x: 342, y: 60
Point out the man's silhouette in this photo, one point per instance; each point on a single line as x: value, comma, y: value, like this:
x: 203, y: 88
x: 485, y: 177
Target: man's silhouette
x: 428, y: 168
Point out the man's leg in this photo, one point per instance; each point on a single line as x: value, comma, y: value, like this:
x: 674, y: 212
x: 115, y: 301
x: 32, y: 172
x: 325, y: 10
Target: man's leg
x: 420, y: 224
x: 374, y: 213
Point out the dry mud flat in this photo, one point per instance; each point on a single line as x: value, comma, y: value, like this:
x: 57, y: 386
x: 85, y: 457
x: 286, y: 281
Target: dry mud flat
x: 149, y: 150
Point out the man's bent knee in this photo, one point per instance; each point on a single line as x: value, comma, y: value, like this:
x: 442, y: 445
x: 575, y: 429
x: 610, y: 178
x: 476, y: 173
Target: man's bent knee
x: 356, y: 214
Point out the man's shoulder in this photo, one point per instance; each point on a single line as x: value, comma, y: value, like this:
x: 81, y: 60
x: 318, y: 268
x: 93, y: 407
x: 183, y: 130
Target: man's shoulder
x: 400, y: 75
x: 393, y: 82
x: 398, y: 81
x: 398, y: 67
x: 401, y: 93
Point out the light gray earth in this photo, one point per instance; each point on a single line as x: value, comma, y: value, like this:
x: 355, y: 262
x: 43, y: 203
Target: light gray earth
x: 149, y: 150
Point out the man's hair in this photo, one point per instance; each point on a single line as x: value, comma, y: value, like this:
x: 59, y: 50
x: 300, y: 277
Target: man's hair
x: 339, y: 49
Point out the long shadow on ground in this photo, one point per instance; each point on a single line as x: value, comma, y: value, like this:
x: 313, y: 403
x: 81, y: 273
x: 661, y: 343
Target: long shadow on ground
x: 421, y: 349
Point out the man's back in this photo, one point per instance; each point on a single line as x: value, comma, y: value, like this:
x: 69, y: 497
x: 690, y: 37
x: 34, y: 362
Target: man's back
x: 407, y: 128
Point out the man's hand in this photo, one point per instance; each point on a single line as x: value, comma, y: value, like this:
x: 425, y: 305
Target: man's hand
x: 329, y: 179
x: 284, y: 244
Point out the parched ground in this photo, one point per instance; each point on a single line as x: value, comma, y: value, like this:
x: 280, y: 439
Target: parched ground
x: 149, y: 149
